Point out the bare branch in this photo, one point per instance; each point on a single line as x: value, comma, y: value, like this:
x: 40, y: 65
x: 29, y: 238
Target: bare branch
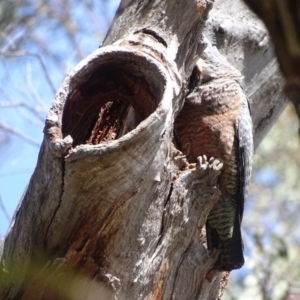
x: 36, y: 55
x: 19, y: 134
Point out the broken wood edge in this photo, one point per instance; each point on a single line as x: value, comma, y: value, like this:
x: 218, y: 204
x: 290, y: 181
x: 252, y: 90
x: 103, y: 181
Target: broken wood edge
x: 158, y: 74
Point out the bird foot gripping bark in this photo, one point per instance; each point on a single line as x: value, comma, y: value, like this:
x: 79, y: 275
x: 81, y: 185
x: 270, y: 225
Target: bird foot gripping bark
x: 213, y: 166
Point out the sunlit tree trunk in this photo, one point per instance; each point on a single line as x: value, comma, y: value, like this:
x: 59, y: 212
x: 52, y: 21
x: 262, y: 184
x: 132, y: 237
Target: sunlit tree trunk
x: 113, y: 209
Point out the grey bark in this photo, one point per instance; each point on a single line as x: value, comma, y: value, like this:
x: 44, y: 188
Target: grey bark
x: 283, y: 23
x: 130, y: 213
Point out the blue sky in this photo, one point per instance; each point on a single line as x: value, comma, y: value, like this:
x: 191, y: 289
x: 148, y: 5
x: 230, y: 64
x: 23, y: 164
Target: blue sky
x: 22, y: 79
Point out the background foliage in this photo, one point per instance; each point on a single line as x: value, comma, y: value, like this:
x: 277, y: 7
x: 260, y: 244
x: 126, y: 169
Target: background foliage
x: 271, y: 222
x: 40, y: 41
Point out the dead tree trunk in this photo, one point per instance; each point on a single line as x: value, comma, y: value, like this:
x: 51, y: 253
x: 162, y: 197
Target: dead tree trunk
x: 283, y: 22
x: 113, y: 209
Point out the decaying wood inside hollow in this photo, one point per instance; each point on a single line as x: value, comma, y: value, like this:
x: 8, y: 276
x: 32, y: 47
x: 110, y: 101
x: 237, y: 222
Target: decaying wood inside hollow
x: 112, y: 101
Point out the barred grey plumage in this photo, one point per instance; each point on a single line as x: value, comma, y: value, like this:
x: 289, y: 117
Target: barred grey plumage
x: 215, y: 121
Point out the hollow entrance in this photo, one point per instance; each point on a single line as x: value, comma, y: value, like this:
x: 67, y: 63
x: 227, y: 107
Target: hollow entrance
x: 112, y: 101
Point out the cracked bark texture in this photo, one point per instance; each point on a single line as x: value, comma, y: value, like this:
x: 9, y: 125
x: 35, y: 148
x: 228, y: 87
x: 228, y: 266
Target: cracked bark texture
x: 113, y: 209
x: 282, y: 20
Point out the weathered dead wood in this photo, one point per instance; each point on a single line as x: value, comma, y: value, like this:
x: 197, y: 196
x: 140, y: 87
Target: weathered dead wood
x: 111, y: 196
x: 283, y: 22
